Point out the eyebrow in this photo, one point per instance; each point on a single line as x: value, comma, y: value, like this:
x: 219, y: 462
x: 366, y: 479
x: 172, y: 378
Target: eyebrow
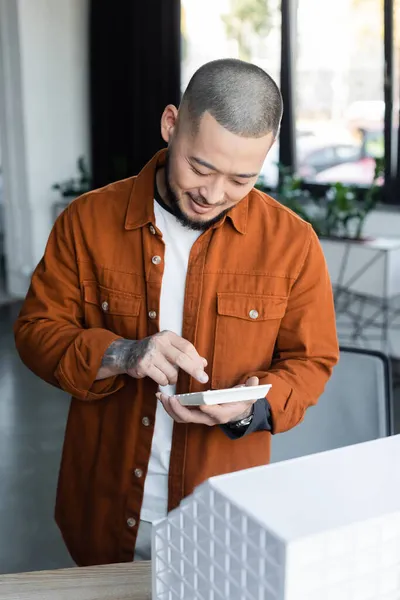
x: 204, y: 163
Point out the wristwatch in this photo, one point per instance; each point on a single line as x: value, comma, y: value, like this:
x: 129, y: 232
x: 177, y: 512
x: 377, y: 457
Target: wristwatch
x: 242, y: 423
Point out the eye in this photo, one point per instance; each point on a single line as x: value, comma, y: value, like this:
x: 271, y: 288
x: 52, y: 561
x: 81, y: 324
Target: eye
x: 239, y: 182
x: 198, y: 172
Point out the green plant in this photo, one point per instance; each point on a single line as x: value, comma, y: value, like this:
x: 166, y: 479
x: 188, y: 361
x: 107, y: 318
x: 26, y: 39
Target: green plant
x: 345, y: 208
x: 75, y: 186
x: 340, y: 212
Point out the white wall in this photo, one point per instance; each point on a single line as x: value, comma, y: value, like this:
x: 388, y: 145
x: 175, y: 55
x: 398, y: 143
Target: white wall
x: 54, y: 74
x: 44, y: 119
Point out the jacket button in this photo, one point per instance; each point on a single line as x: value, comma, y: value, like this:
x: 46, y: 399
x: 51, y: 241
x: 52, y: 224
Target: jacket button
x: 156, y: 260
x: 152, y: 230
x: 152, y: 314
x: 146, y: 421
x: 104, y: 306
x: 138, y: 473
x: 253, y: 314
x: 131, y: 522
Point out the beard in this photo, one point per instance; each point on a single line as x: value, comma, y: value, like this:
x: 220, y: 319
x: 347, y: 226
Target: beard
x: 175, y: 206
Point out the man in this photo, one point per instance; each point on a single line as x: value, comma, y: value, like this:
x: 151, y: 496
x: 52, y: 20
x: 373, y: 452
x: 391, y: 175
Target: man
x: 182, y: 279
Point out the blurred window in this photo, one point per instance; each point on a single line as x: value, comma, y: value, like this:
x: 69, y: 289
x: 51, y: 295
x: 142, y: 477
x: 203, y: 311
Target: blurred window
x: 339, y: 83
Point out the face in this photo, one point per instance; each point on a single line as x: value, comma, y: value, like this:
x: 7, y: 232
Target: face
x: 210, y: 171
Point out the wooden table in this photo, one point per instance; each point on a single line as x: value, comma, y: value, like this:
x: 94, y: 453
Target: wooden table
x: 129, y: 581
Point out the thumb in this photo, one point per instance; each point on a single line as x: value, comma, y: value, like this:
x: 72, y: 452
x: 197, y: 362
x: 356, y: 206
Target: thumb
x: 252, y: 381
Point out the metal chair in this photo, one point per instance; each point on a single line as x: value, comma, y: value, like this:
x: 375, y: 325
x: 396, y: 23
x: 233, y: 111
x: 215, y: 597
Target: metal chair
x: 355, y: 407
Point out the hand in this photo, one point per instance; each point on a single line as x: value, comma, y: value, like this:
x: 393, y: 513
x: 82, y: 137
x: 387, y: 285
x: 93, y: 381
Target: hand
x: 159, y: 357
x: 208, y: 415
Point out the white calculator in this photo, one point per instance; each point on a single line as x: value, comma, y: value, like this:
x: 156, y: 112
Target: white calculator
x: 236, y: 394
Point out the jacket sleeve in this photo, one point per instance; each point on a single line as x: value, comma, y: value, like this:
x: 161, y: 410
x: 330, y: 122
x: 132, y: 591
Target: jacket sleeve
x: 307, y: 348
x: 49, y: 333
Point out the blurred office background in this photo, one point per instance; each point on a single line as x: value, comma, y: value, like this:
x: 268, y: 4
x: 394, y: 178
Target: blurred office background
x: 82, y: 88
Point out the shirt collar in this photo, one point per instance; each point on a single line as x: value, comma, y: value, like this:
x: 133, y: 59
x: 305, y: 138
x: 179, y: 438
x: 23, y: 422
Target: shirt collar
x: 140, y: 211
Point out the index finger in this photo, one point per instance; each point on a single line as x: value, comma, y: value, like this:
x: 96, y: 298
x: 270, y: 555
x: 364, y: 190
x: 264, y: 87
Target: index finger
x: 194, y: 367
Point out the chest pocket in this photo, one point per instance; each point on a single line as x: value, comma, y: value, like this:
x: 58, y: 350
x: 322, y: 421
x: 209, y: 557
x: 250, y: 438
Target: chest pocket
x: 111, y: 309
x: 245, y: 335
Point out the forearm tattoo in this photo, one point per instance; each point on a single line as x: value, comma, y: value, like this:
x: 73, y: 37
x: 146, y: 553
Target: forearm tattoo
x: 126, y: 354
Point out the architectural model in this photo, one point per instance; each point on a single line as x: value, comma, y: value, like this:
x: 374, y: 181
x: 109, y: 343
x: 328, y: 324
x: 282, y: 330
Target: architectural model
x: 322, y: 527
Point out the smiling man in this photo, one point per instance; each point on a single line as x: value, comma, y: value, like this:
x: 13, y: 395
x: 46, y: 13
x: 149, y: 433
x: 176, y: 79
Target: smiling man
x: 181, y: 279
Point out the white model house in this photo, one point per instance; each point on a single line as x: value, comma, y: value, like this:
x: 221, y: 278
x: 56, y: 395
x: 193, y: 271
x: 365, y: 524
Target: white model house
x: 322, y: 527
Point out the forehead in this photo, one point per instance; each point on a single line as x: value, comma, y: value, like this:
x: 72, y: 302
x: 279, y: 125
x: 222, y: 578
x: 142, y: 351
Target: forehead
x: 226, y: 151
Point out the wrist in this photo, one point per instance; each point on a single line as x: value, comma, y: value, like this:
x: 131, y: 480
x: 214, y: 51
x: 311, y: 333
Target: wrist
x: 243, y: 420
x: 118, y: 357
x: 127, y: 358
x: 247, y: 413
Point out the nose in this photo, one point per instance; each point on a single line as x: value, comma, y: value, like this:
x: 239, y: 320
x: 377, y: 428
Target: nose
x: 213, y: 192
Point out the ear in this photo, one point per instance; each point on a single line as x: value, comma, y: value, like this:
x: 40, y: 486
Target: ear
x: 168, y: 122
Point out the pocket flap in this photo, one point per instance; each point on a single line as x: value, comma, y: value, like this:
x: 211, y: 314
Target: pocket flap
x: 111, y: 301
x: 251, y: 307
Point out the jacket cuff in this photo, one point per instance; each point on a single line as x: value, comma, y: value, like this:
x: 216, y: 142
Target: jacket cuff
x: 77, y: 370
x: 261, y: 421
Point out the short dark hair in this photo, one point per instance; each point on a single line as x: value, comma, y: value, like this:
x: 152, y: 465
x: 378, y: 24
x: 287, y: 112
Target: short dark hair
x: 239, y: 95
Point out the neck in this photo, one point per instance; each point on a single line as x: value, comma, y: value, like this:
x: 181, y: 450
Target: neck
x: 161, y: 186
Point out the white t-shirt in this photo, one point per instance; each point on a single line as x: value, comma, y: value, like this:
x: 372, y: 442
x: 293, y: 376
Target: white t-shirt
x: 178, y: 242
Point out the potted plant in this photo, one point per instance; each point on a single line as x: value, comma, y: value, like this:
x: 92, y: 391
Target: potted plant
x: 340, y: 213
x: 72, y: 188
x: 344, y: 209
x: 75, y: 186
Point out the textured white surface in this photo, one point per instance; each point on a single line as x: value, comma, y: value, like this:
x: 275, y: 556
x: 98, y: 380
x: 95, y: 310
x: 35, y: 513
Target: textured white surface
x: 210, y: 550
x: 325, y: 527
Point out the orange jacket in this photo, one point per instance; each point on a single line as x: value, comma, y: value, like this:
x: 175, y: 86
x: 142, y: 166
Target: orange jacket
x: 97, y: 282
